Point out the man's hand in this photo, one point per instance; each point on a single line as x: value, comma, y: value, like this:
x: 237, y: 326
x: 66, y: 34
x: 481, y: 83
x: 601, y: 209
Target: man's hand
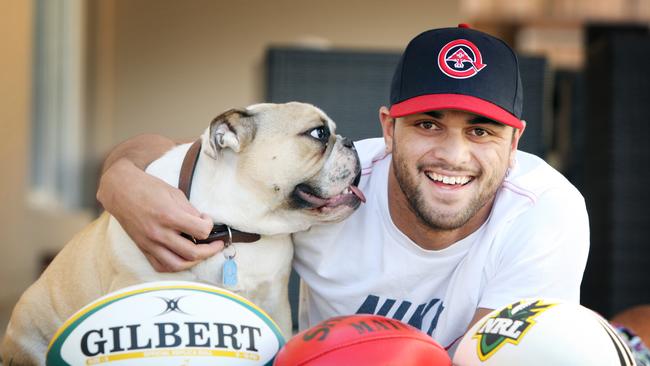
x: 154, y: 214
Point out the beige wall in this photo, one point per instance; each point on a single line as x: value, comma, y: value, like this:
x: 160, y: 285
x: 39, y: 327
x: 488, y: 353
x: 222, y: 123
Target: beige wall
x: 15, y: 56
x: 26, y: 231
x: 180, y: 63
x: 164, y: 66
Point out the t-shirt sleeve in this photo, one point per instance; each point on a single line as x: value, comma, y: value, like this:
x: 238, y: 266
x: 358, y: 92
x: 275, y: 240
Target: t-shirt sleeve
x: 369, y: 151
x: 542, y: 252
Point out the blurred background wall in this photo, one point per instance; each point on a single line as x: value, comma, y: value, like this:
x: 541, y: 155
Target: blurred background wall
x: 78, y: 77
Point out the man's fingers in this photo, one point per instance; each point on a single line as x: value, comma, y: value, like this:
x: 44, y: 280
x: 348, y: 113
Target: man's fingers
x: 197, y: 226
x: 183, y: 203
x: 164, y: 260
x: 212, y: 248
x: 155, y: 263
x: 189, y: 251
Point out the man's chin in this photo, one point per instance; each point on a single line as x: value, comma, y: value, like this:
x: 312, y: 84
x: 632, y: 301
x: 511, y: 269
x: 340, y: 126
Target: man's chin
x: 449, y: 217
x: 446, y: 224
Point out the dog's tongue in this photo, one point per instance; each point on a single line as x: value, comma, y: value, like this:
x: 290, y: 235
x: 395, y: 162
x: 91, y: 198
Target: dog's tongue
x: 357, y: 192
x: 318, y: 202
x: 315, y: 201
x: 346, y: 197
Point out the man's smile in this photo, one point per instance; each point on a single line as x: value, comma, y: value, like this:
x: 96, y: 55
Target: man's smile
x: 449, y: 180
x: 446, y: 181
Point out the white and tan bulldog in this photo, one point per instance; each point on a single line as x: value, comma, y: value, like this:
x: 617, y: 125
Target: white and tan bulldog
x: 270, y: 169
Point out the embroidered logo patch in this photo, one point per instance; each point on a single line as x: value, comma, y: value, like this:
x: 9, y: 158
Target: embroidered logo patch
x: 507, y: 326
x: 460, y: 59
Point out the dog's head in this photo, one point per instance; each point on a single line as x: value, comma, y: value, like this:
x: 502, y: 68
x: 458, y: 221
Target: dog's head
x: 291, y: 167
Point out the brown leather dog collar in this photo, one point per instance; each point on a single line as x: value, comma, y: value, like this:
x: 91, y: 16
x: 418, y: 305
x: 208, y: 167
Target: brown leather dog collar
x: 219, y: 231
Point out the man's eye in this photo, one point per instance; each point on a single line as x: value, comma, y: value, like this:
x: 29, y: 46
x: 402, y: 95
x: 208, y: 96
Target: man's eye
x: 320, y: 133
x: 427, y: 125
x: 479, y: 132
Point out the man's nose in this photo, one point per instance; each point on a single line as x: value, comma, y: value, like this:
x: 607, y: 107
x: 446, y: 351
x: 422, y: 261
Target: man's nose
x: 453, y: 149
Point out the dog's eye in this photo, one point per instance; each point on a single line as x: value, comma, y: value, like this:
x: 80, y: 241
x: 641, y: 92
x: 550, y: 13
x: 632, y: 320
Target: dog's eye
x: 320, y: 133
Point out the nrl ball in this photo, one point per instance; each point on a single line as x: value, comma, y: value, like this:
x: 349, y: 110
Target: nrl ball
x: 167, y: 323
x: 362, y: 340
x: 541, y: 332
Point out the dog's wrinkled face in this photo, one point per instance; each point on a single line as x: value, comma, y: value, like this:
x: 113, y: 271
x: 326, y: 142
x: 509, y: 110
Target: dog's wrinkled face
x: 290, y: 158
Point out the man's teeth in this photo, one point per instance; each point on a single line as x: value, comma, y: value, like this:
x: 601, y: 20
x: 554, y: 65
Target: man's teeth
x: 447, y: 179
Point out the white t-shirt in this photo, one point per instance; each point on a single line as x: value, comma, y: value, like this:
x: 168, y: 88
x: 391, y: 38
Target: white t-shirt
x: 533, y: 244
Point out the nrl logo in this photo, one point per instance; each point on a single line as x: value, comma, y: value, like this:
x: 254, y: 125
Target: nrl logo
x: 507, y: 326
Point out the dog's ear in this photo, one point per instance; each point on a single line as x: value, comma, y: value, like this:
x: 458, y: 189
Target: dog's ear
x: 233, y: 129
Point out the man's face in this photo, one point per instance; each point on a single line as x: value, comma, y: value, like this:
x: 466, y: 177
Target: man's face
x: 449, y: 164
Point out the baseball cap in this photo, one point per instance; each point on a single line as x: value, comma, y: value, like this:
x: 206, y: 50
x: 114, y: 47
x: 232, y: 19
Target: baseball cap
x: 458, y: 68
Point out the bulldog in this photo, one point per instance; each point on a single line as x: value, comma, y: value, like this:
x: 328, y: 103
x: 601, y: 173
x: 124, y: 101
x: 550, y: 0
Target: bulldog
x: 268, y: 169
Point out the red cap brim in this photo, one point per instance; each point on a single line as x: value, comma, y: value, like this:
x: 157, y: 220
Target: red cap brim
x: 432, y: 102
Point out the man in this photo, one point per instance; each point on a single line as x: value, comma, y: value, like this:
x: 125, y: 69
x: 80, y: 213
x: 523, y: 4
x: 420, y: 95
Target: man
x: 457, y: 221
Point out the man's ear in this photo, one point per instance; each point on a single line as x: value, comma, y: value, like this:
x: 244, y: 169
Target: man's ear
x: 516, y: 135
x: 233, y: 129
x: 387, y: 127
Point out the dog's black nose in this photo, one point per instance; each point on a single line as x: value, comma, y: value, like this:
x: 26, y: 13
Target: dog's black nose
x: 347, y: 143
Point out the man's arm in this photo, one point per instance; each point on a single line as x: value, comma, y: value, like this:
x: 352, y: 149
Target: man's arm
x: 140, y: 150
x: 543, y: 254
x: 151, y: 211
x: 478, y: 314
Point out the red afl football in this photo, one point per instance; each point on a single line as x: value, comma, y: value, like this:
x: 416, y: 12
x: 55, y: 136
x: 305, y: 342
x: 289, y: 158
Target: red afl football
x: 362, y: 340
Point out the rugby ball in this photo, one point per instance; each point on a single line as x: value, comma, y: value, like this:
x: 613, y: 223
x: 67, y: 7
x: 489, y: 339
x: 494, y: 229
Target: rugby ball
x: 362, y: 340
x: 542, y: 332
x: 167, y: 323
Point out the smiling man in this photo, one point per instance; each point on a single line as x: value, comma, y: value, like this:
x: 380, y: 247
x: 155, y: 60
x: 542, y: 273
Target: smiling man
x: 457, y: 221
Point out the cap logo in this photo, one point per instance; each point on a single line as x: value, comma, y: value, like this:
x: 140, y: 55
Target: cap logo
x: 460, y: 59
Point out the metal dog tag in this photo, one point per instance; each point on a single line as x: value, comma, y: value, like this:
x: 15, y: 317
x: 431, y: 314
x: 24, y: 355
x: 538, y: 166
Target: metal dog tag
x: 230, y: 272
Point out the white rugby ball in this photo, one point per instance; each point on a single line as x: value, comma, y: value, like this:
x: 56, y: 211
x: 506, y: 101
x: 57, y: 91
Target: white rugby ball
x: 541, y: 332
x: 167, y: 323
